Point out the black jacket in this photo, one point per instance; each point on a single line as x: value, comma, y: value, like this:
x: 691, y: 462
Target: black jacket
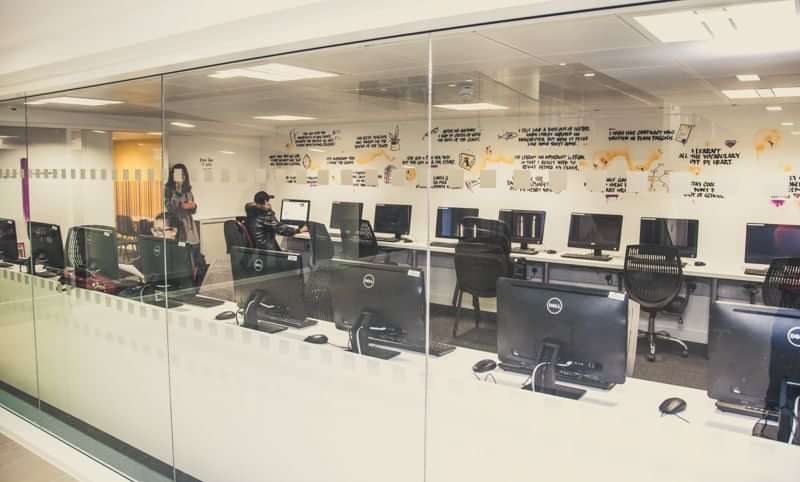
x: 263, y: 225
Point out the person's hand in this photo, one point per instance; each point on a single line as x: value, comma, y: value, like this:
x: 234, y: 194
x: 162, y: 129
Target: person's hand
x: 188, y: 205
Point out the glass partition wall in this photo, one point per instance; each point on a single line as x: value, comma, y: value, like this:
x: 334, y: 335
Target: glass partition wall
x: 428, y: 258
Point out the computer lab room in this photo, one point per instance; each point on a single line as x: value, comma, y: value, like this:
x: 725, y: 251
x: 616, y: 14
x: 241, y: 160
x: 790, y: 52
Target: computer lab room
x: 565, y: 248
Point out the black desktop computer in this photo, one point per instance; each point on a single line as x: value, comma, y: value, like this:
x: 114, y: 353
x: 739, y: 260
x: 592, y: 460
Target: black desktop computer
x: 448, y: 224
x: 763, y: 242
x: 295, y: 211
x: 346, y: 216
x: 678, y: 233
x: 525, y: 226
x: 93, y: 249
x: 596, y: 232
x: 572, y: 334
x: 269, y: 289
x: 393, y: 219
x: 380, y: 304
x: 8, y: 242
x: 754, y: 366
x: 47, y: 248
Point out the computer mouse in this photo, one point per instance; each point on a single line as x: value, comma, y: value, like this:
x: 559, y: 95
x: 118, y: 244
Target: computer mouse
x: 226, y: 315
x: 318, y: 339
x: 551, y: 251
x: 484, y: 366
x: 699, y: 263
x: 672, y: 406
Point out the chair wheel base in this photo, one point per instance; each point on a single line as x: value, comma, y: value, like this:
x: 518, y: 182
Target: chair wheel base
x: 651, y: 357
x: 685, y: 353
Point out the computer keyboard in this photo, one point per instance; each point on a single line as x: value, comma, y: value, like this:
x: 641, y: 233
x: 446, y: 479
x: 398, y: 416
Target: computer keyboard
x: 387, y: 239
x: 197, y: 300
x: 591, y: 257
x: 164, y: 303
x: 443, y: 244
x: 562, y: 375
x: 756, y: 271
x: 747, y: 411
x: 286, y: 320
x: 436, y: 348
x: 47, y: 274
x: 265, y: 327
x: 524, y: 251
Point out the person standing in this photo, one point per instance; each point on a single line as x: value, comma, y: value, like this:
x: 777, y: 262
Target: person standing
x: 181, y: 207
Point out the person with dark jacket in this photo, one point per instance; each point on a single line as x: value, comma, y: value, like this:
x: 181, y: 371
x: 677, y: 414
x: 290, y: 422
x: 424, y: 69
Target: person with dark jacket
x: 263, y: 225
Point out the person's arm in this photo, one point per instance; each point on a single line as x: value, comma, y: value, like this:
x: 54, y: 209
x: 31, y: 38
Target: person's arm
x: 189, y: 204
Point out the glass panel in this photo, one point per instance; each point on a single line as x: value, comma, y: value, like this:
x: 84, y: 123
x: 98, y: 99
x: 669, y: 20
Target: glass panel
x: 334, y: 135
x: 95, y: 158
x: 584, y: 138
x: 18, y: 383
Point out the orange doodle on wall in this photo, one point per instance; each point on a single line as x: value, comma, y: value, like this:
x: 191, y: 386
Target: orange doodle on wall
x: 371, y: 156
x: 489, y: 157
x: 766, y: 138
x: 601, y: 159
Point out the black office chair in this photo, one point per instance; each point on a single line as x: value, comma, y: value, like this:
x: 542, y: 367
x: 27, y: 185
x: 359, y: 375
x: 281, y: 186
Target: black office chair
x: 482, y: 257
x: 360, y: 244
x: 317, y: 294
x: 320, y: 241
x: 653, y: 278
x: 782, y: 283
x: 126, y: 237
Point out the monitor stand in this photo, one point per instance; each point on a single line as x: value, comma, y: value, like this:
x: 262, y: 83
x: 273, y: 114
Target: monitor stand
x: 544, y: 380
x: 359, y: 338
x: 790, y: 392
x: 523, y: 249
x: 596, y: 255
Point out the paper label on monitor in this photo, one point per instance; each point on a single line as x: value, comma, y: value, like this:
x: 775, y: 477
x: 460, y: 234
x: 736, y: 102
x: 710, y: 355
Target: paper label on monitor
x: 106, y: 234
x: 616, y: 296
x: 291, y: 257
x: 413, y: 272
x: 181, y: 244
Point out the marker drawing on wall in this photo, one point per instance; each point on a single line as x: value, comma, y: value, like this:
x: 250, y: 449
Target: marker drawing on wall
x: 766, y: 138
x: 431, y: 132
x: 394, y: 138
x: 684, y: 132
x: 507, y: 136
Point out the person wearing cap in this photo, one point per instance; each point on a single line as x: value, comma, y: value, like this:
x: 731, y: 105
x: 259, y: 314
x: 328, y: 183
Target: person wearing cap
x: 263, y: 225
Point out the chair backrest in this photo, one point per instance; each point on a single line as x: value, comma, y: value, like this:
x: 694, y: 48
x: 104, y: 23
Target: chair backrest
x: 653, y: 275
x: 782, y: 284
x: 482, y: 256
x: 361, y: 244
x: 321, y: 242
x: 144, y: 227
x: 236, y: 234
x: 125, y: 226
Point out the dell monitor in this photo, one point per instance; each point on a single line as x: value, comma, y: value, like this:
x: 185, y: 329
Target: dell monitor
x: 172, y: 270
x: 448, y: 221
x: 754, y: 364
x: 8, y: 241
x: 578, y: 335
x: 377, y: 301
x: 94, y: 249
x: 525, y: 226
x: 678, y: 233
x: 393, y: 219
x: 295, y: 211
x: 763, y: 242
x: 46, y: 245
x: 596, y: 232
x: 268, y: 288
x: 346, y: 216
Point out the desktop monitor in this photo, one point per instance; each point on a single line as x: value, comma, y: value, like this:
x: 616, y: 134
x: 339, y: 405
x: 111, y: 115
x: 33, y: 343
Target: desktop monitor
x: 8, y: 239
x: 173, y: 269
x: 391, y: 298
x: 586, y: 328
x: 526, y: 226
x: 595, y: 231
x: 295, y: 211
x: 46, y: 244
x: 93, y: 248
x: 754, y: 360
x: 277, y: 274
x: 448, y: 221
x: 346, y: 216
x: 766, y: 241
x: 679, y: 233
x: 393, y: 218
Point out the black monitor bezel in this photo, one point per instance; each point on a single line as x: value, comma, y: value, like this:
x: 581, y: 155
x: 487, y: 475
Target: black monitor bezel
x: 407, y: 225
x: 15, y: 251
x: 610, y: 247
x: 688, y: 252
x: 750, y: 259
x: 360, y: 213
x: 521, y: 239
x: 61, y: 263
x: 438, y: 213
x: 296, y: 222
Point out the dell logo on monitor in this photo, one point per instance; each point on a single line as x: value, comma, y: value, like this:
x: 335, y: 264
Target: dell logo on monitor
x: 258, y: 265
x: 368, y: 280
x: 554, y: 306
x: 794, y: 336
x: 157, y: 250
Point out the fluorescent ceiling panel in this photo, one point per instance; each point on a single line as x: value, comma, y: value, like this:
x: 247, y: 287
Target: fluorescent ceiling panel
x: 748, y: 77
x: 474, y: 106
x: 182, y: 124
x: 274, y: 72
x: 283, y: 117
x: 74, y: 101
x: 787, y: 91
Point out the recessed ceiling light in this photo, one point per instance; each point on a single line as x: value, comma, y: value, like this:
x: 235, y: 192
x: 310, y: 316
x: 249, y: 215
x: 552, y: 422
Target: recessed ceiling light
x: 283, y: 117
x: 99, y: 132
x: 468, y: 80
x: 787, y: 91
x: 474, y: 106
x: 8, y: 137
x: 227, y: 152
x: 748, y: 93
x: 765, y: 93
x: 774, y: 108
x: 589, y: 74
x: 74, y: 101
x: 275, y: 72
x: 153, y: 133
x: 563, y: 64
x: 796, y: 133
x: 451, y: 85
x: 182, y: 124
x: 788, y: 124
x: 748, y: 77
